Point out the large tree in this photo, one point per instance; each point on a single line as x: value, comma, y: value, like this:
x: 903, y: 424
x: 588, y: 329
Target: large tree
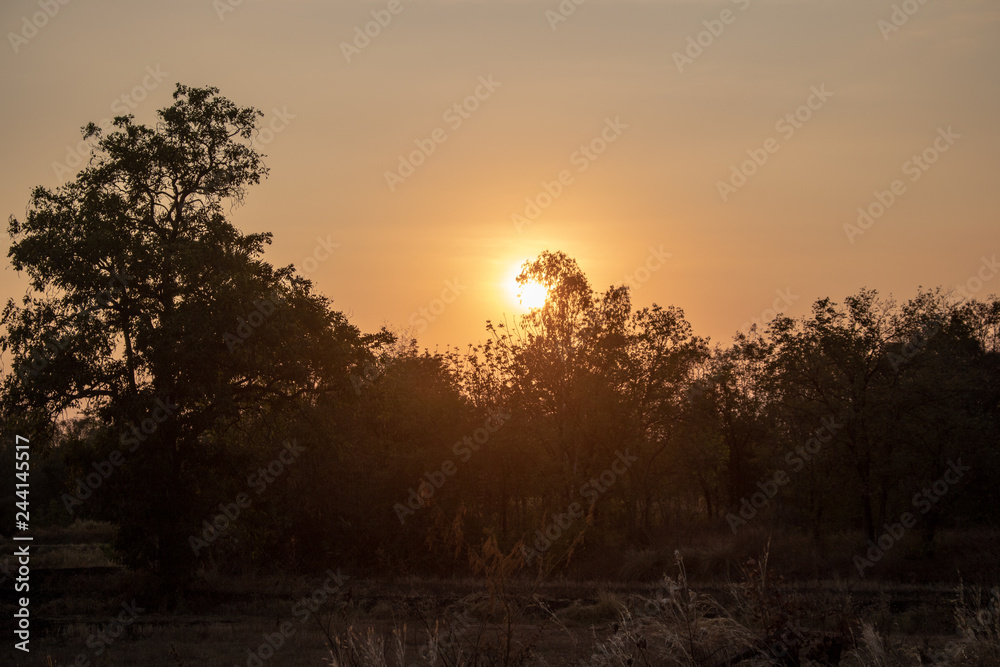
x: 147, y: 303
x: 587, y: 379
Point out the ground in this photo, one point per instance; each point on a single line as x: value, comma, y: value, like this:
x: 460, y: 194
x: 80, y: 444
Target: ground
x: 87, y: 611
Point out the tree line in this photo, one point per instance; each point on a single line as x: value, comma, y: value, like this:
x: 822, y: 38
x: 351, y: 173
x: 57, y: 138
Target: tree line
x: 220, y: 412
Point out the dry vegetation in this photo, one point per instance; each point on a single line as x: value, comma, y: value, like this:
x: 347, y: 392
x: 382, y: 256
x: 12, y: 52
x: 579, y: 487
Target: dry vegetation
x: 507, y: 614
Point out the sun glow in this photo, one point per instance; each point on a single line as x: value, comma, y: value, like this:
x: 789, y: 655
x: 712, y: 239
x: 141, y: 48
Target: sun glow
x: 532, y: 295
x: 529, y: 294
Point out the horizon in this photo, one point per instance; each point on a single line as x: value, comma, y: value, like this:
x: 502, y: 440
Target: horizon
x: 620, y: 332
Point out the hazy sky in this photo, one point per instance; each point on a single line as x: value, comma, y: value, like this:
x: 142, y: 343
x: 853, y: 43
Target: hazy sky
x: 675, y: 117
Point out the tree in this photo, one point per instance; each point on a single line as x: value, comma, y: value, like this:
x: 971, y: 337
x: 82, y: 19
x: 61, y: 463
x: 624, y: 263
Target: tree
x: 586, y: 380
x: 735, y: 390
x: 147, y: 306
x: 832, y: 367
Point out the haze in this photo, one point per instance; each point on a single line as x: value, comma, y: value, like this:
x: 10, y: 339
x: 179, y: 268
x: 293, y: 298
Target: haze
x: 648, y: 206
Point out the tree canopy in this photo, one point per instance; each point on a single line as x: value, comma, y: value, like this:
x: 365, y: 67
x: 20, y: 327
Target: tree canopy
x: 217, y: 408
x: 143, y: 293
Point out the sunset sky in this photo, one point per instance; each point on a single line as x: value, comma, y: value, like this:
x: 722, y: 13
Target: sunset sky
x: 618, y: 101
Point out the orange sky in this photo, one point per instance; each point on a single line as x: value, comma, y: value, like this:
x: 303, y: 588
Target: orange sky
x: 668, y: 119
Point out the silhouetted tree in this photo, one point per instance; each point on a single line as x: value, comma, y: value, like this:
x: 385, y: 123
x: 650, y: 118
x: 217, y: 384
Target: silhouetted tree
x: 147, y: 306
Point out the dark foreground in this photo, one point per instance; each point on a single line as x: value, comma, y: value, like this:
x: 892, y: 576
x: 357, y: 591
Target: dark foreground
x: 87, y: 612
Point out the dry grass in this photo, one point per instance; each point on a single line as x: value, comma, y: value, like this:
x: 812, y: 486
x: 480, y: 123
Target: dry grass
x: 675, y: 626
x: 510, y: 616
x: 608, y: 608
x: 713, y: 554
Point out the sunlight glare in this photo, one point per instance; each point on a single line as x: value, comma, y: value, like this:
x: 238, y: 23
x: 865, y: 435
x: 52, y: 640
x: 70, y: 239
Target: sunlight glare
x: 532, y: 295
x: 528, y: 295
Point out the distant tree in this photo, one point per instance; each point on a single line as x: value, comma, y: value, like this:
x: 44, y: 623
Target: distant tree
x: 680, y: 453
x: 900, y: 389
x: 148, y: 307
x: 831, y: 368
x: 585, y: 379
x: 737, y: 388
x: 944, y: 398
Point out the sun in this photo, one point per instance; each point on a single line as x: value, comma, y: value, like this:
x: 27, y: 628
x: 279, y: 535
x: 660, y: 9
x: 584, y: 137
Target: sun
x: 528, y: 295
x: 531, y: 294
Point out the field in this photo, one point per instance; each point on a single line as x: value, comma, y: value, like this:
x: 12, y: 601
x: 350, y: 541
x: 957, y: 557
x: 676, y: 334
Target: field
x: 88, y: 611
x: 480, y: 333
